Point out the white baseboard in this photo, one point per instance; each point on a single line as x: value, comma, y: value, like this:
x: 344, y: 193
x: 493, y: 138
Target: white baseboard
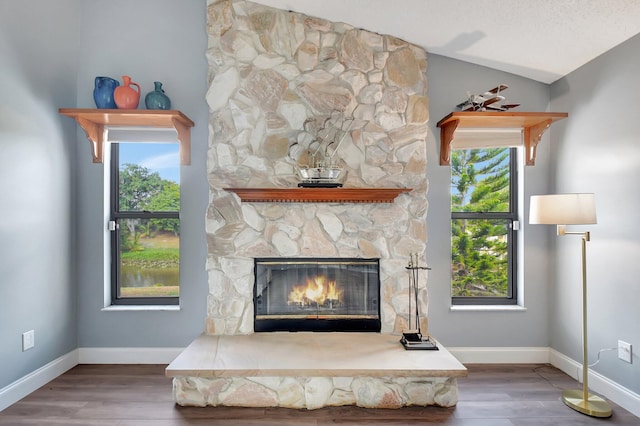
x: 127, y: 355
x: 611, y: 390
x: 501, y: 355
x: 22, y: 387
x: 622, y: 396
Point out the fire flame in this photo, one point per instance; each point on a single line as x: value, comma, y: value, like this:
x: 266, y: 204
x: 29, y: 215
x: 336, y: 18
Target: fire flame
x: 317, y: 290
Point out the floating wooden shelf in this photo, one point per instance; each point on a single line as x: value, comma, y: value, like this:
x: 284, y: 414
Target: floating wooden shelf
x: 318, y: 195
x: 94, y: 121
x: 533, y: 125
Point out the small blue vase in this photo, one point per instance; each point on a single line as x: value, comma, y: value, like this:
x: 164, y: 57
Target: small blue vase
x: 103, y: 92
x: 157, y: 99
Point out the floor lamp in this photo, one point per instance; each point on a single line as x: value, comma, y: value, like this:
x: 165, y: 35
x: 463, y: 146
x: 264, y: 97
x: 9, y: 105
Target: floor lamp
x: 562, y: 210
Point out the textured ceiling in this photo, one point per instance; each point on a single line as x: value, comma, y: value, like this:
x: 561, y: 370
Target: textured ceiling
x: 539, y: 39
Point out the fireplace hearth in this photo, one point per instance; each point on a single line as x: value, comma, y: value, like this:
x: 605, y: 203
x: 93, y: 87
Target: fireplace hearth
x: 317, y: 294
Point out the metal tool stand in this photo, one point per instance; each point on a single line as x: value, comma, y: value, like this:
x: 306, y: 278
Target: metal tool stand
x: 414, y: 340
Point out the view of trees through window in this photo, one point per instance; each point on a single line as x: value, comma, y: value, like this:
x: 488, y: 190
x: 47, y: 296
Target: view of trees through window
x: 147, y: 213
x: 482, y: 212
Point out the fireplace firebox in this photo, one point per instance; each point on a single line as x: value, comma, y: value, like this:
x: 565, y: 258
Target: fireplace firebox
x: 320, y: 294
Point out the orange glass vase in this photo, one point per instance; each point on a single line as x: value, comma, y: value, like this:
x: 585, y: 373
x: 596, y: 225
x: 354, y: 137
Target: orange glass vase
x: 126, y: 96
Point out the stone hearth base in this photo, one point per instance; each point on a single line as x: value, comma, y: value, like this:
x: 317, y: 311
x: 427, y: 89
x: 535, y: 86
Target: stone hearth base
x: 312, y: 370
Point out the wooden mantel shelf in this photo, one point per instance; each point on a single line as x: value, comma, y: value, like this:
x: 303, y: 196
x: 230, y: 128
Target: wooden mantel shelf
x: 533, y: 124
x: 94, y: 121
x: 318, y: 195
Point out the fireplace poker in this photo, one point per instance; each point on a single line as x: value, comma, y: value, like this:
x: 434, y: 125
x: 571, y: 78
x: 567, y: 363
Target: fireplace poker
x: 415, y: 290
x: 410, y: 267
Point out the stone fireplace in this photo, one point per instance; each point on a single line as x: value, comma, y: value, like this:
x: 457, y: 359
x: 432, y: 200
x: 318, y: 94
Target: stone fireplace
x: 317, y: 294
x: 270, y: 70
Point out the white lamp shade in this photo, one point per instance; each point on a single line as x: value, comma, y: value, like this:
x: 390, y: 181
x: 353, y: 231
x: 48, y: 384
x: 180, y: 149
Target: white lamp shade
x: 562, y: 209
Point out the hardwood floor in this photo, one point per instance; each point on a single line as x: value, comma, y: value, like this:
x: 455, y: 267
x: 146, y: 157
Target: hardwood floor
x: 140, y: 395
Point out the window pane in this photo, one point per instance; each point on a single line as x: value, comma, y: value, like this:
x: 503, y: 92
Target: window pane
x: 146, y: 206
x: 479, y: 257
x: 480, y: 180
x: 149, y: 177
x: 149, y: 257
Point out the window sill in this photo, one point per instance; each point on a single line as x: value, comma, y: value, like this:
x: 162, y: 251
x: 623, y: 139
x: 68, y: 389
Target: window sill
x: 128, y: 308
x: 487, y: 308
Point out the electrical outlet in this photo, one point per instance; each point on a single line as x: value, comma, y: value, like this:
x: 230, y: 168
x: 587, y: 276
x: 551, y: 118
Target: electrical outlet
x: 28, y: 340
x: 624, y: 351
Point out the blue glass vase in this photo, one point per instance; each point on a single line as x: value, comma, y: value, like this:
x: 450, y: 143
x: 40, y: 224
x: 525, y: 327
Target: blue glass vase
x: 103, y: 92
x: 156, y: 99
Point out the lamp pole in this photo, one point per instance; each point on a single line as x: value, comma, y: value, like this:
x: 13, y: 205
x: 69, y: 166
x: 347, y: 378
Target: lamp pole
x: 582, y: 401
x: 585, y: 358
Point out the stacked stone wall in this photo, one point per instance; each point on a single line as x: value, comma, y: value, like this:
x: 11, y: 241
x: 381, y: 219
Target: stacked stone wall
x: 270, y: 70
x: 316, y: 392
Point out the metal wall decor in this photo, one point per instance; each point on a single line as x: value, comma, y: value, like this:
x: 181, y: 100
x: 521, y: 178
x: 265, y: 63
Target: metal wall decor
x: 321, y: 138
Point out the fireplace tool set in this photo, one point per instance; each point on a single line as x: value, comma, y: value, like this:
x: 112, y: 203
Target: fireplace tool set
x: 413, y: 339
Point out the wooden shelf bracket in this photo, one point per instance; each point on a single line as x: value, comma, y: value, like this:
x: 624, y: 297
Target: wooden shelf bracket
x: 95, y: 134
x: 446, y: 138
x: 184, y: 136
x: 532, y: 135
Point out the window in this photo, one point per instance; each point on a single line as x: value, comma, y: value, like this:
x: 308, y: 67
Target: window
x: 145, y: 223
x: 484, y: 215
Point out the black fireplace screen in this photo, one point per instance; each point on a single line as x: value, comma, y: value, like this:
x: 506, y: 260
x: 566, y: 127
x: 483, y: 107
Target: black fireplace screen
x: 327, y: 294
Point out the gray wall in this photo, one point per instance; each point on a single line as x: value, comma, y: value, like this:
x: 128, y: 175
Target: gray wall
x: 177, y: 58
x: 38, y: 71
x: 599, y: 151
x: 137, y: 49
x: 449, y: 81
x: 149, y: 40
